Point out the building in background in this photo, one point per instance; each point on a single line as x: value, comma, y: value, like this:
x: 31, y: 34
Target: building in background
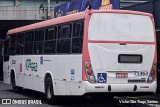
x: 80, y: 5
x: 15, y: 13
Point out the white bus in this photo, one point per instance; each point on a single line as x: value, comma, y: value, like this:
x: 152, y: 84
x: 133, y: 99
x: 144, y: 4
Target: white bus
x: 96, y: 51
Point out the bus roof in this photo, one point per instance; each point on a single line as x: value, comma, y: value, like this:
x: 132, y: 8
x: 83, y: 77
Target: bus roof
x: 50, y: 22
x: 68, y: 18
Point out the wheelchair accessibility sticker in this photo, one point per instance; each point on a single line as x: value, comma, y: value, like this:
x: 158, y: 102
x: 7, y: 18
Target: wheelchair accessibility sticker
x: 102, y: 77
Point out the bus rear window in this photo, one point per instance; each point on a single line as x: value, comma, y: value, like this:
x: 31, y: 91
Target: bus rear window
x: 121, y: 27
x: 129, y: 58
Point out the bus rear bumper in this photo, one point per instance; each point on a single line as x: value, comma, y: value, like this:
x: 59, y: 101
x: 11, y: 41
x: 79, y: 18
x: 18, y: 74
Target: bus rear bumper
x: 120, y: 88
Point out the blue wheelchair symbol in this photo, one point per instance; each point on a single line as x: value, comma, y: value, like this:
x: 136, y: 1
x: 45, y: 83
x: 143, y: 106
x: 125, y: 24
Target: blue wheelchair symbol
x: 102, y: 77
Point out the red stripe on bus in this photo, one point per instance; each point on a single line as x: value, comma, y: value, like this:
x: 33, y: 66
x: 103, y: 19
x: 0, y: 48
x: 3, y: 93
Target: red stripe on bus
x: 85, y: 52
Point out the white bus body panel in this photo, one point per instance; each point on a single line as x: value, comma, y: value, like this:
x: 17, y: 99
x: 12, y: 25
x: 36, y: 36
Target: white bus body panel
x: 124, y: 88
x: 104, y: 59
x: 6, y: 73
x: 66, y: 72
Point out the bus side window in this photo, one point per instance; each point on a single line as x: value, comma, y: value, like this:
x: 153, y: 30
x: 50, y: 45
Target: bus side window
x: 20, y: 43
x: 13, y: 44
x: 6, y: 47
x: 50, y: 40
x: 39, y: 41
x: 77, y: 37
x: 64, y: 39
x: 29, y: 42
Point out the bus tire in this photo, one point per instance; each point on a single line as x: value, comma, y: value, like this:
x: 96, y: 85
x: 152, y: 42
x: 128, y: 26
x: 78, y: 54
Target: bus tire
x: 13, y: 82
x: 49, y: 93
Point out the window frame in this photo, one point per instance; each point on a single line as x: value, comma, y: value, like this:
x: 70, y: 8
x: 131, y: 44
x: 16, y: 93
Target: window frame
x: 14, y: 45
x: 8, y: 46
x: 18, y: 43
x: 53, y: 39
x: 35, y: 42
x: 31, y: 42
x: 65, y: 38
x: 76, y: 37
x: 45, y: 32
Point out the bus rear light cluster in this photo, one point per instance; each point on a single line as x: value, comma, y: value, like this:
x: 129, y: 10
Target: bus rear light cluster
x: 154, y: 67
x: 89, y: 72
x: 88, y: 65
x: 152, y: 72
x: 152, y: 75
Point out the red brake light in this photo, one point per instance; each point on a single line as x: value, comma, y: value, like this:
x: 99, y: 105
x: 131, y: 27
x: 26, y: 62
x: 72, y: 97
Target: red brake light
x: 89, y: 72
x: 152, y: 72
x: 152, y: 75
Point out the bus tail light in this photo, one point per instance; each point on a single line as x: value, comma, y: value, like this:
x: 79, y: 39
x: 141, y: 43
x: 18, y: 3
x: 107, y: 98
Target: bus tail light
x: 152, y: 72
x: 88, y: 65
x: 89, y: 72
x: 152, y: 75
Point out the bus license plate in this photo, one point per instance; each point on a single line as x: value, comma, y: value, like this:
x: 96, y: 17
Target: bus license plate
x: 122, y: 75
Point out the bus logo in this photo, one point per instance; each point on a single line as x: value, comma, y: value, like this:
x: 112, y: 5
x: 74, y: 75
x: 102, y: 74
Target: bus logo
x: 31, y: 65
x: 72, y: 71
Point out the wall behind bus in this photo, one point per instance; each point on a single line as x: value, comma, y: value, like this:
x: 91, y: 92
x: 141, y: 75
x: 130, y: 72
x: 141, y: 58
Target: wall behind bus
x: 143, y: 7
x: 157, y: 13
x: 158, y: 59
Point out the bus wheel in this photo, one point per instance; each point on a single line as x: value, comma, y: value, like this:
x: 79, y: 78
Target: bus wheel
x: 49, y: 94
x: 13, y: 82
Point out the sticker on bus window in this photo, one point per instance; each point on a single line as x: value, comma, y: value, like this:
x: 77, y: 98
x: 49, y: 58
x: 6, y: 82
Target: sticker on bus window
x: 102, y: 77
x: 41, y: 60
x: 72, y: 71
x: 72, y: 74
